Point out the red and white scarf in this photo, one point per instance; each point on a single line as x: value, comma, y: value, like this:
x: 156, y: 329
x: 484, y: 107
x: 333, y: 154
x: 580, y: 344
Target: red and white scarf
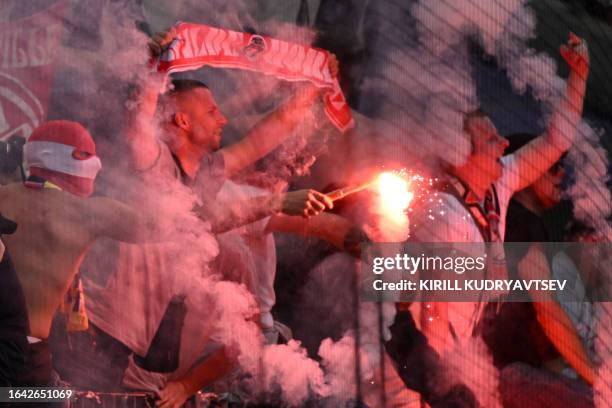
x: 197, y: 45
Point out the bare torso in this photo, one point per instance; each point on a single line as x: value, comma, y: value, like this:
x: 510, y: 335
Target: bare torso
x: 47, y: 248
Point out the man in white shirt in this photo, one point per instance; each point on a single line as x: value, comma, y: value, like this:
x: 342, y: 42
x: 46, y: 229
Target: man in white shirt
x: 472, y: 206
x: 487, y: 179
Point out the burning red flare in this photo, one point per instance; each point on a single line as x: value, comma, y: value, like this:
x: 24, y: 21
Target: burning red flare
x: 395, y: 196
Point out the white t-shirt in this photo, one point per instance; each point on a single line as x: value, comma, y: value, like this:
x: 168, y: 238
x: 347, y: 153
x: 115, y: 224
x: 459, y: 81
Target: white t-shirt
x: 445, y: 219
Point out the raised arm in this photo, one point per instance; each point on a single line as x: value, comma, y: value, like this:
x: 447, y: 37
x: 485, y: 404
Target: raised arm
x: 139, y: 122
x: 535, y: 158
x: 555, y: 323
x: 270, y: 132
x: 274, y: 129
x: 139, y: 128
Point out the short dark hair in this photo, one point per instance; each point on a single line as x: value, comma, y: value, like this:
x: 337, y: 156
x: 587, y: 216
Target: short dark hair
x: 167, y: 102
x: 476, y: 113
x: 184, y: 85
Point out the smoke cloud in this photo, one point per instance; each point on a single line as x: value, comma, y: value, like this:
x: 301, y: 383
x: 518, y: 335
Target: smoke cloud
x: 421, y: 80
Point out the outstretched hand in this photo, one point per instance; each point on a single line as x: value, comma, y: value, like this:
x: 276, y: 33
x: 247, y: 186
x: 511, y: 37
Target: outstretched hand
x: 306, y: 203
x: 576, y: 54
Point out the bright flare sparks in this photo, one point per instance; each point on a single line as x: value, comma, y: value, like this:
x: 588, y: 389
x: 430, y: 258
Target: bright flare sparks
x: 395, y: 197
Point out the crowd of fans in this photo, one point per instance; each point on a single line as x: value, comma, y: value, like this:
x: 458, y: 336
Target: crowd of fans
x: 98, y: 293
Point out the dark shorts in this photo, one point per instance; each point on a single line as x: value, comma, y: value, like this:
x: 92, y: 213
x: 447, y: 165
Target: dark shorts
x: 23, y: 364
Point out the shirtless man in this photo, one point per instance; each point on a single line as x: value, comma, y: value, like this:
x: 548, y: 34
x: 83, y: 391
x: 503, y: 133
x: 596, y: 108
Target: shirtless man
x: 55, y: 226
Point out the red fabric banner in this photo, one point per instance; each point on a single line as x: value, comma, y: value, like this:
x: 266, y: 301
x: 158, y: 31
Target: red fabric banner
x: 27, y: 52
x: 197, y: 45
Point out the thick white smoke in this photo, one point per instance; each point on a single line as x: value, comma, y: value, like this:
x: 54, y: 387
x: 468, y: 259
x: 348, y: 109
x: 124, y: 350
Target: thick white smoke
x: 589, y: 193
x: 97, y: 63
x: 298, y: 377
x: 338, y: 360
x: 275, y: 373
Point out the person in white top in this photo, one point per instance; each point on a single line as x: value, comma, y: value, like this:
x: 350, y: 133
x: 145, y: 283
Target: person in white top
x: 487, y: 173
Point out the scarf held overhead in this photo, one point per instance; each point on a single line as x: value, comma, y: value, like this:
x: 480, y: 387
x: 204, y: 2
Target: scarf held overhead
x: 197, y: 45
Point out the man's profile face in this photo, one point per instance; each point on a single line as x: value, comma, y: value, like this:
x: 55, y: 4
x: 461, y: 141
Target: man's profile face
x: 487, y: 147
x: 206, y: 119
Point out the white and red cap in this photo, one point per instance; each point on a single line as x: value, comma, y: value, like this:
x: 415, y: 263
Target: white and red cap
x: 64, y: 153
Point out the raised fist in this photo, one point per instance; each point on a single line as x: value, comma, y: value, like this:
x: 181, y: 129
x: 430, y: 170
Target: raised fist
x: 576, y: 54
